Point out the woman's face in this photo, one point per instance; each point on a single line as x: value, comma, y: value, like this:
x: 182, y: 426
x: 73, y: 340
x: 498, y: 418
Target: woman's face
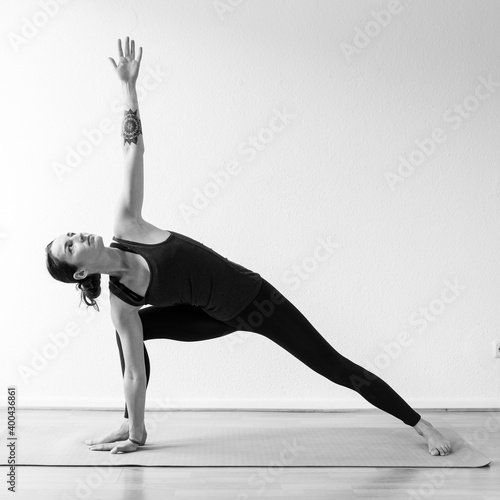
x: 81, y: 249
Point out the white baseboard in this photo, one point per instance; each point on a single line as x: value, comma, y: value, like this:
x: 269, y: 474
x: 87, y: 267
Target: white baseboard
x: 252, y: 405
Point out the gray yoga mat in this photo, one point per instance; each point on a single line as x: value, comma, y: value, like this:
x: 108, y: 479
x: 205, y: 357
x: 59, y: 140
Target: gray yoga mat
x: 222, y: 444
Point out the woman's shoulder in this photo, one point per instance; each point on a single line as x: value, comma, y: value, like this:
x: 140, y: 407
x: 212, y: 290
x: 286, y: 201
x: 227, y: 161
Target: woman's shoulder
x: 119, y: 308
x: 139, y: 231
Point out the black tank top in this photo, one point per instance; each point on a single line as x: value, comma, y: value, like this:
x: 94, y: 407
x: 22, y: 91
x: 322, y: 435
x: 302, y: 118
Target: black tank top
x: 184, y: 271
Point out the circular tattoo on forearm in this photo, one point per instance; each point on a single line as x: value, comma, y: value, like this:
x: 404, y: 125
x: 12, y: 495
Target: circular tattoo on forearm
x: 131, y: 128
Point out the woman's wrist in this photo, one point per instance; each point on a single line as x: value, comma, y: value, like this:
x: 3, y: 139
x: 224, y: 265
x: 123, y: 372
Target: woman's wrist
x: 130, y: 99
x: 136, y: 432
x: 128, y: 87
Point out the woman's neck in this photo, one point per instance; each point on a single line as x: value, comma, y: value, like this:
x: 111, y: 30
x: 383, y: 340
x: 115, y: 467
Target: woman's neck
x: 119, y: 263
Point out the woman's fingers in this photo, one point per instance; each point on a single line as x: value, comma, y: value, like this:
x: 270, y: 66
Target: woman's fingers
x: 124, y: 446
x: 102, y: 447
x: 129, y: 54
x: 129, y: 48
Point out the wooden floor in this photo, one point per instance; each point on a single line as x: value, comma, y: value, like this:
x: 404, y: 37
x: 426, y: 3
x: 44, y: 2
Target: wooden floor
x: 480, y: 429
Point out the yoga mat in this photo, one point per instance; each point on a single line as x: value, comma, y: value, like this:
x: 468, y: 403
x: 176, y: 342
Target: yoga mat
x: 227, y: 444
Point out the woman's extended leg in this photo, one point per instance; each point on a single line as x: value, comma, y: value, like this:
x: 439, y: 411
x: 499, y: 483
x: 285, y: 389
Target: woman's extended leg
x: 274, y: 316
x: 181, y: 322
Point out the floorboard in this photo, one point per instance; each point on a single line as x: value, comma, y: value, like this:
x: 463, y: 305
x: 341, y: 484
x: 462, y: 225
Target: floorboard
x: 479, y: 428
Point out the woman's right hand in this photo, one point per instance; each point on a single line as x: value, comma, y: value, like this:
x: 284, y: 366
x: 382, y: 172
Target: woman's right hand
x: 120, y: 434
x: 127, y: 68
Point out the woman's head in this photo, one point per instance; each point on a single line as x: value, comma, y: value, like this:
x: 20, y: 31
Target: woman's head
x: 74, y: 258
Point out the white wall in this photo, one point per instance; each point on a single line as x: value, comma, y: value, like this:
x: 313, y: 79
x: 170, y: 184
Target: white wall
x: 413, y: 249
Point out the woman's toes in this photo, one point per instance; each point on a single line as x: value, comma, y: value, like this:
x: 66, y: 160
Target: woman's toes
x: 434, y: 451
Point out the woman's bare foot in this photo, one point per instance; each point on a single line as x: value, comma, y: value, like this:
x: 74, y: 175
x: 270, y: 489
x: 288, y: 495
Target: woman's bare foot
x: 438, y: 444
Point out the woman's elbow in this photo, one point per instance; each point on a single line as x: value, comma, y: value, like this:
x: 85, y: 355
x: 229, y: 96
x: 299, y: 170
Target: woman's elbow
x: 135, y: 376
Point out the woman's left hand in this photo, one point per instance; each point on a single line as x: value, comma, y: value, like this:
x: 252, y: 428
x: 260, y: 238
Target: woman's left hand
x: 123, y: 446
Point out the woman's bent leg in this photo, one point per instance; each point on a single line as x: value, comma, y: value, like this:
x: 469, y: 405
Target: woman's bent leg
x: 181, y: 322
x: 274, y: 316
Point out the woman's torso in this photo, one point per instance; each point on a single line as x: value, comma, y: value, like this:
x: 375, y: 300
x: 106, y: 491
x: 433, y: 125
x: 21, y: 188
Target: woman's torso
x: 172, y: 268
x: 139, y: 280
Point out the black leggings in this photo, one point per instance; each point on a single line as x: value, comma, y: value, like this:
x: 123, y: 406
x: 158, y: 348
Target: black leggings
x: 271, y: 314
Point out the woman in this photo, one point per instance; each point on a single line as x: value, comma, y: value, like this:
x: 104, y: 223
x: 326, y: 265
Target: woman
x: 194, y: 294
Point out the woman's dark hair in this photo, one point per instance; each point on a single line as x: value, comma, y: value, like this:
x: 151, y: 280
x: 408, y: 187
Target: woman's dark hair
x: 90, y: 287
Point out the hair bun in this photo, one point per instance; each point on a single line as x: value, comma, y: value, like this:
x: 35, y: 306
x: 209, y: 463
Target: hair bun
x: 91, y: 288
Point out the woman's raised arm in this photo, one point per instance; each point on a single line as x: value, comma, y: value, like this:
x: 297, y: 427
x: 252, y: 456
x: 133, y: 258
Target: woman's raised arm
x: 130, y: 203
